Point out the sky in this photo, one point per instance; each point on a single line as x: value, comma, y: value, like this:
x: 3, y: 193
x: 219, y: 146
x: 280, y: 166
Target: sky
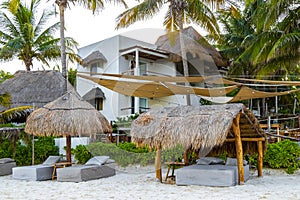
x: 87, y: 28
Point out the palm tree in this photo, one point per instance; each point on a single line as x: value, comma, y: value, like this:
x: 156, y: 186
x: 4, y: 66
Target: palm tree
x: 62, y: 4
x: 263, y: 40
x: 271, y: 46
x: 24, y: 36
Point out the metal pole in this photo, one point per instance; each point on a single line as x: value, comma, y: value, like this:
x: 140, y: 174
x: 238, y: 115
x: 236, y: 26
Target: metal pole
x: 32, y: 153
x: 269, y: 124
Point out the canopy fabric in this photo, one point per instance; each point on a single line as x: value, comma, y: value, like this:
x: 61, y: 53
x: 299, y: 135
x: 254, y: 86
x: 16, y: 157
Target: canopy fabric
x: 286, y: 83
x: 212, y: 92
x: 157, y: 89
x: 152, y: 78
x: 160, y: 86
x: 248, y: 93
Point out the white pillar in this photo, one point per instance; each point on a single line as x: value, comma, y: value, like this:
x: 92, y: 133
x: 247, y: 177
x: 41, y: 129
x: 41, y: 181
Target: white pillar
x: 137, y: 73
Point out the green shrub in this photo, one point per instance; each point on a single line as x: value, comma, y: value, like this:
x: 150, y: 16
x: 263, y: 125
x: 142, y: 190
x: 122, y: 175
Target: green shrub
x: 81, y: 154
x: 6, y: 149
x: 43, y: 147
x: 131, y: 147
x: 23, y: 155
x: 125, y: 158
x: 283, y: 154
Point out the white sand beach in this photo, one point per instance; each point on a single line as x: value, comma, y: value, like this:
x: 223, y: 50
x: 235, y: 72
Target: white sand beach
x: 139, y: 183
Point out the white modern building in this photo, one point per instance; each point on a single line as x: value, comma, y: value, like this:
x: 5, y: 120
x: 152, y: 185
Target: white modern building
x: 123, y: 55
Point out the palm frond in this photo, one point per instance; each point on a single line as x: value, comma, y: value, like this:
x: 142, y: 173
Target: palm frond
x: 17, y: 112
x: 142, y: 11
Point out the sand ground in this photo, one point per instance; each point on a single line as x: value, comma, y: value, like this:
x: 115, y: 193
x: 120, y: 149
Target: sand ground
x: 137, y: 182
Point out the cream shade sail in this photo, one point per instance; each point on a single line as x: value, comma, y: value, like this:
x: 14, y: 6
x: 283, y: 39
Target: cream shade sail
x: 248, y: 93
x: 161, y: 86
x: 156, y: 89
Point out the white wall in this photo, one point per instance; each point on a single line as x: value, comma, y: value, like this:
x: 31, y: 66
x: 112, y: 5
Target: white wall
x: 61, y: 143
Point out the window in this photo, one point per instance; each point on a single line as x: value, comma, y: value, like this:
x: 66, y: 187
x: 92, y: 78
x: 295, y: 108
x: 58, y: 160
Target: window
x: 143, y: 105
x: 94, y: 67
x: 143, y: 68
x: 99, y: 104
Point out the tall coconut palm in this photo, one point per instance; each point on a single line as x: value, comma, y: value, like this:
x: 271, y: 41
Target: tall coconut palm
x: 62, y: 4
x: 23, y: 35
x: 271, y: 46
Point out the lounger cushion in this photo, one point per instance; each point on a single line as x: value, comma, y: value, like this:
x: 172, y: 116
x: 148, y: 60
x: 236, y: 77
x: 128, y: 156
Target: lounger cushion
x: 51, y: 160
x: 6, y: 166
x: 85, y: 172
x: 209, y: 175
x: 210, y: 161
x: 6, y: 160
x: 233, y: 162
x: 34, y: 172
x: 97, y: 160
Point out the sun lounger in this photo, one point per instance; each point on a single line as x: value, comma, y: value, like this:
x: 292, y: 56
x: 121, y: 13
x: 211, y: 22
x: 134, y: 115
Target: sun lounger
x: 210, y: 174
x: 6, y: 165
x: 95, y: 168
x: 36, y: 172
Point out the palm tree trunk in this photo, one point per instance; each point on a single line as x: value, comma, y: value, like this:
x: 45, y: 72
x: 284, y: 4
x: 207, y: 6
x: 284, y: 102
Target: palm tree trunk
x: 183, y: 56
x: 62, y: 4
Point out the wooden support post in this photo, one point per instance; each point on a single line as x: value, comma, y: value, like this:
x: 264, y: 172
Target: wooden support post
x: 68, y: 148
x: 158, y: 165
x: 186, y: 157
x: 239, y: 149
x: 32, y: 152
x: 260, y: 158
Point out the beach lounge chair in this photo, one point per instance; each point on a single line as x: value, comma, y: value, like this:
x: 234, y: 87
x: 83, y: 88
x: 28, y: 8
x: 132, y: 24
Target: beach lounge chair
x: 36, y: 172
x: 97, y: 167
x: 6, y: 165
x: 209, y: 172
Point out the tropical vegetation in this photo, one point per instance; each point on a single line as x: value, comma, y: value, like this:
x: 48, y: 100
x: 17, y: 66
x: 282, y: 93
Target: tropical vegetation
x: 26, y: 36
x: 21, y: 152
x: 263, y: 39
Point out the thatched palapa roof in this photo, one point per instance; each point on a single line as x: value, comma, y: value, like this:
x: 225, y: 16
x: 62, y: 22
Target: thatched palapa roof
x: 196, y: 127
x: 67, y: 115
x: 93, y: 94
x: 33, y: 88
x: 94, y: 56
x: 195, y: 45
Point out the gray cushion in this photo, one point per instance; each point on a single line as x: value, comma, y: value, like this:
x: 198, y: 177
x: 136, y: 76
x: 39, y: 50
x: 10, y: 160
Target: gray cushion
x: 209, y: 161
x: 6, y: 160
x: 233, y: 162
x: 51, y: 160
x: 97, y: 160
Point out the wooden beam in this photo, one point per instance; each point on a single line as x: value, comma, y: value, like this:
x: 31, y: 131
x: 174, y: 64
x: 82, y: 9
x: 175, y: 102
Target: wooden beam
x: 260, y: 158
x: 246, y: 139
x: 239, y: 149
x: 68, y: 148
x: 158, y: 165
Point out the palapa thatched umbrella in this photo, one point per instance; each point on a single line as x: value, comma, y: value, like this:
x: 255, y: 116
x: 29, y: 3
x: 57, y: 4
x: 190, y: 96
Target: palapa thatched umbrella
x: 67, y: 116
x: 196, y: 46
x: 33, y: 88
x: 194, y: 127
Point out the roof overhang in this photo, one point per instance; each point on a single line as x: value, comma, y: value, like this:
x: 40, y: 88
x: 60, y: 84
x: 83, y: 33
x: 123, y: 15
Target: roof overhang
x: 144, y: 52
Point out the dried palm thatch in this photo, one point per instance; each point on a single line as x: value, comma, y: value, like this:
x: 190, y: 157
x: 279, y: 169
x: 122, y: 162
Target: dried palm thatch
x: 93, y: 94
x: 195, y: 44
x: 94, y: 56
x: 33, y: 87
x: 202, y: 127
x: 68, y: 115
